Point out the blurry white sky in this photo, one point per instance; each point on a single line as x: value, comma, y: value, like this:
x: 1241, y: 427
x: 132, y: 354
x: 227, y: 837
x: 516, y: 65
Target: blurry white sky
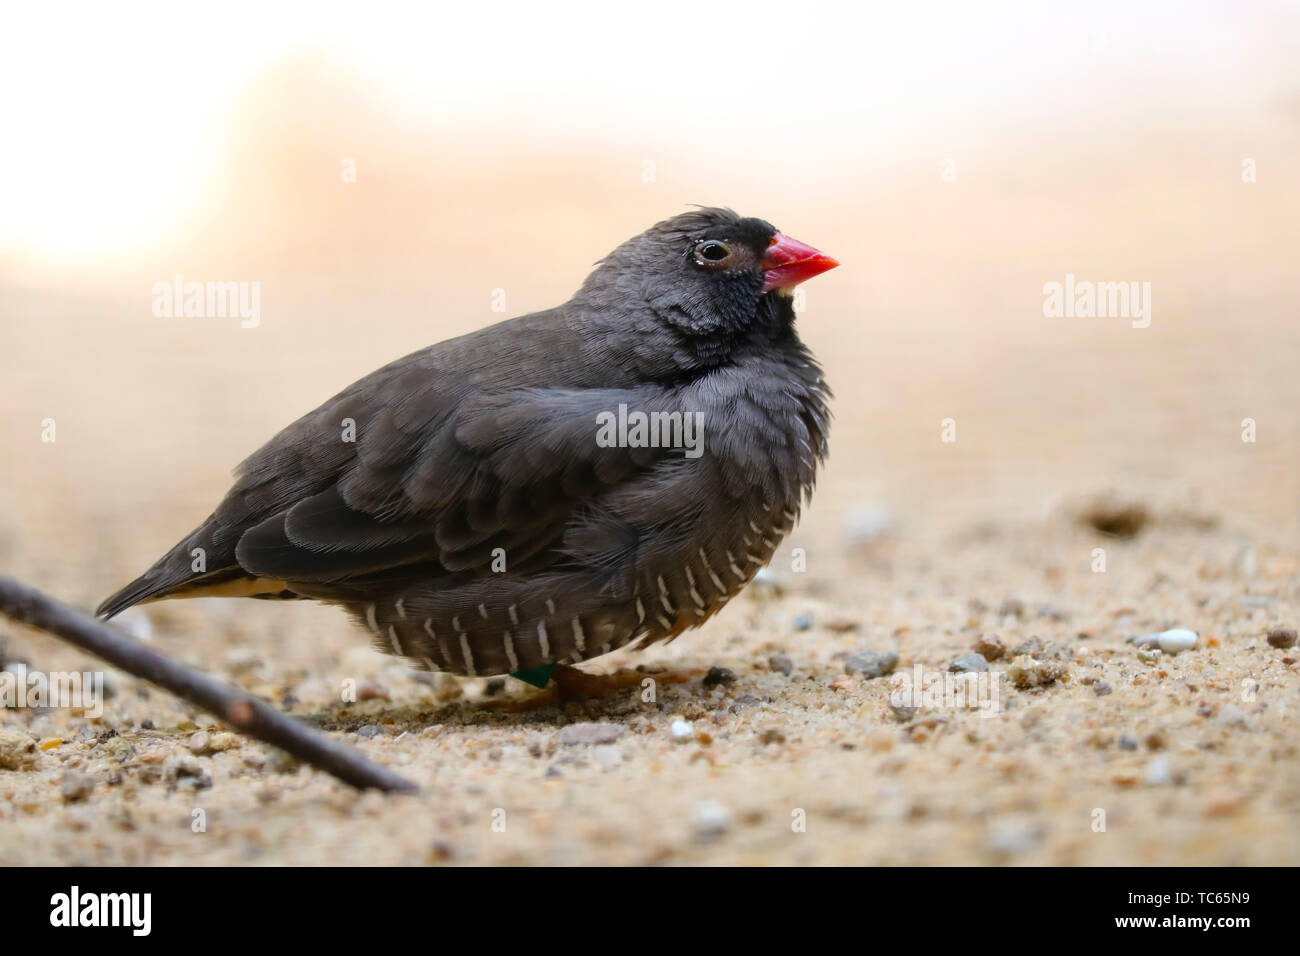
x: 109, y: 115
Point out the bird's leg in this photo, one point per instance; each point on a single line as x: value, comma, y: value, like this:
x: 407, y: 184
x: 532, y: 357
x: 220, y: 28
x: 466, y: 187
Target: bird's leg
x: 570, y: 683
x: 558, y: 683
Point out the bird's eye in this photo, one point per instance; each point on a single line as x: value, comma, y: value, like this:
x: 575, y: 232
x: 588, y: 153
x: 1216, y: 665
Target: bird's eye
x: 712, y: 253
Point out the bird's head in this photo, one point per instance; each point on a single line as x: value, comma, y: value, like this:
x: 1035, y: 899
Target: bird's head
x: 709, y: 273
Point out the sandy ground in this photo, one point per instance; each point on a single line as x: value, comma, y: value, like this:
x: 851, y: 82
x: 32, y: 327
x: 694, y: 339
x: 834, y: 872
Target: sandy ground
x: 913, y: 546
x: 1191, y: 758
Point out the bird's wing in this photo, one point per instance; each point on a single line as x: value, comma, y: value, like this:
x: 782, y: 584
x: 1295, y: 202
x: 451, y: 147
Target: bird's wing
x: 503, y: 470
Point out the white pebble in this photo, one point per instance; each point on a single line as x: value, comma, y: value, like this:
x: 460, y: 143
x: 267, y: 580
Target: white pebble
x: 868, y: 524
x: 1157, y: 772
x: 1173, y: 641
x: 607, y: 756
x: 681, y: 730
x: 1009, y: 837
x: 711, y: 818
x: 1178, y: 640
x: 136, y: 623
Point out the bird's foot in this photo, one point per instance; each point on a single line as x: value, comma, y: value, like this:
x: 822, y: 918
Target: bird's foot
x: 574, y: 684
x: 570, y: 683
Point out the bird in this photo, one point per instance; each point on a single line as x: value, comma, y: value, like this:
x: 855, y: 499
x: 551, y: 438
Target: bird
x: 551, y: 488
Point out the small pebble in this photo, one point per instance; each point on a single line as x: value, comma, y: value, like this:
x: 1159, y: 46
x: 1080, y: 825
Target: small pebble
x: 871, y: 663
x: 681, y: 731
x: 369, y: 731
x: 1127, y: 743
x: 711, y: 820
x: 781, y: 664
x: 1281, y: 637
x: 1009, y: 837
x: 75, y: 786
x: 281, y: 761
x: 902, y: 712
x: 1120, y: 519
x: 589, y: 734
x: 1044, y: 650
x: 186, y: 770
x: 1157, y: 772
x: 1177, y: 640
x: 990, y: 647
x: 239, y: 660
x: 841, y: 625
x: 802, y: 622
x: 1173, y: 641
x: 1149, y: 655
x: 137, y: 624
x: 224, y: 741
x: 17, y: 750
x: 719, y: 675
x: 1026, y: 671
x: 1101, y: 688
x: 607, y: 756
x: 1012, y: 607
x: 200, y: 743
x: 969, y: 664
x: 867, y: 525
x: 117, y: 748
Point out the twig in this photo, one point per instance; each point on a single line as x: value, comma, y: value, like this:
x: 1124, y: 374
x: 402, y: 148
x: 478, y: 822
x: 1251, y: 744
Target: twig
x: 248, y: 714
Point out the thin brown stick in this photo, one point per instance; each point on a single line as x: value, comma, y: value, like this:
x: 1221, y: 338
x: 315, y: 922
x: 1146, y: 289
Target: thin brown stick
x: 247, y: 714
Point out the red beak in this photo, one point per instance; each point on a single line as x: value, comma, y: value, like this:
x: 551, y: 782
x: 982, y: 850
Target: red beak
x: 789, y: 262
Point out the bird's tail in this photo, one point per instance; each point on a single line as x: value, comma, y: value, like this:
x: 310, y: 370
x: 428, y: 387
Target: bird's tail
x: 186, y: 567
x: 147, y: 587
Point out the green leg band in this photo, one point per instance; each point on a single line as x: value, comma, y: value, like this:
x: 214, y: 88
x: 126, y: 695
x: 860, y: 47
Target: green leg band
x: 537, y: 676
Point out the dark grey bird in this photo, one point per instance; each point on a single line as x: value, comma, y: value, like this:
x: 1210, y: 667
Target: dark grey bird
x: 552, y: 487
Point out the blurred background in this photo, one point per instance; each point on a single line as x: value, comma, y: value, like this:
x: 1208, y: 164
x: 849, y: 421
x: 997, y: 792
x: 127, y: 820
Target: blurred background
x: 387, y: 173
x: 955, y: 160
